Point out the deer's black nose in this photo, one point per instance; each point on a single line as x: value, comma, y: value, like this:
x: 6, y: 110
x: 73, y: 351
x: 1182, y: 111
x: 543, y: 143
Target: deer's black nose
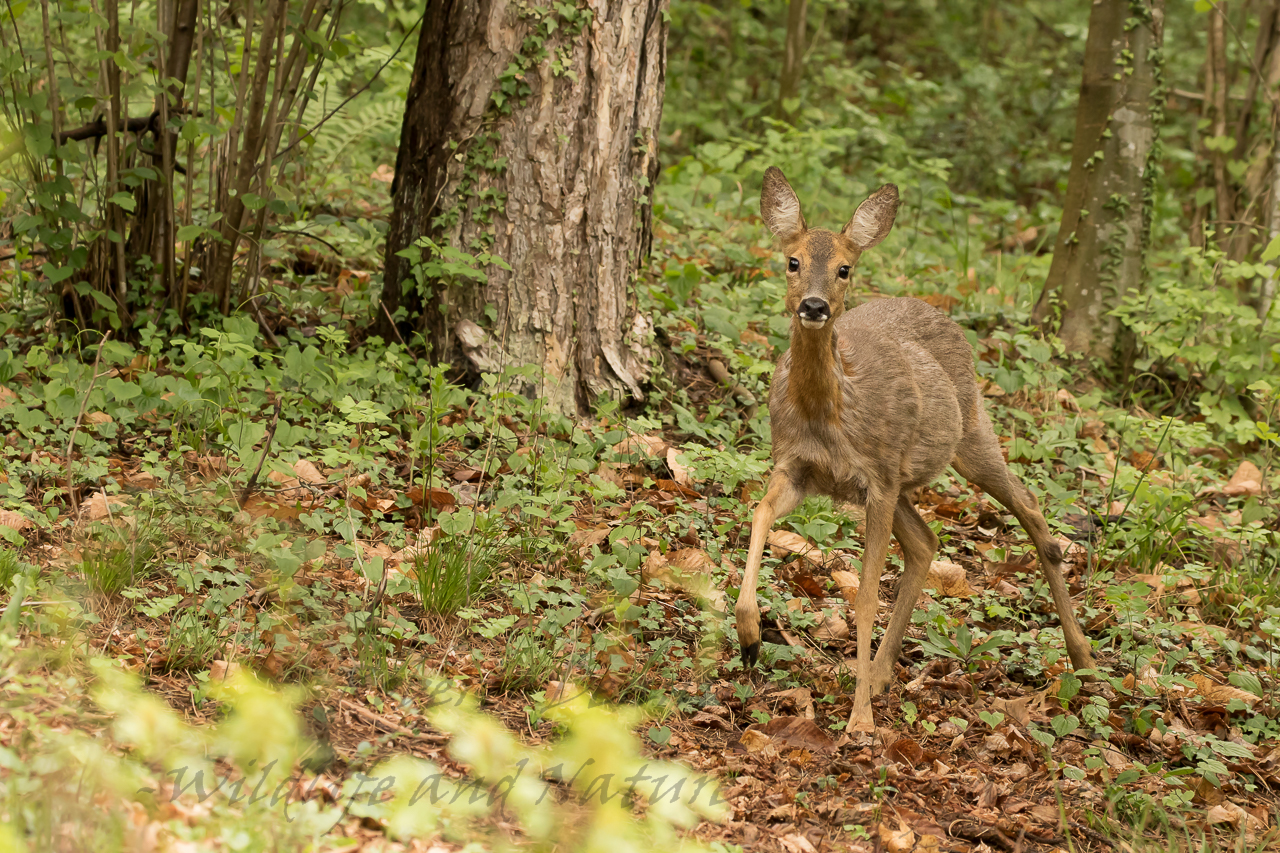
x: 814, y: 308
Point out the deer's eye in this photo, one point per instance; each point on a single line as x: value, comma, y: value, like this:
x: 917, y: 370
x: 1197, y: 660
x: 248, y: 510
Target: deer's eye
x: 843, y: 272
x: 793, y: 264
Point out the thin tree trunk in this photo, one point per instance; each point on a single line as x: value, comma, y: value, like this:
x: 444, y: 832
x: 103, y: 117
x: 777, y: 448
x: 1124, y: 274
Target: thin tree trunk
x: 153, y: 216
x: 108, y: 45
x: 549, y: 169
x: 793, y: 56
x: 252, y: 103
x: 1267, y: 286
x: 1100, y: 251
x: 1216, y: 104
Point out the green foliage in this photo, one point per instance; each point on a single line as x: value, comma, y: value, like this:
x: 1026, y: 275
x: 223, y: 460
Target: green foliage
x: 959, y: 645
x: 555, y: 530
x: 454, y: 571
x: 1196, y: 332
x: 117, y: 559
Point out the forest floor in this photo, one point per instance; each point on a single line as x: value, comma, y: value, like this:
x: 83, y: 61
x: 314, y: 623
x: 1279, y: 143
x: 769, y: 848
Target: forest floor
x: 287, y: 530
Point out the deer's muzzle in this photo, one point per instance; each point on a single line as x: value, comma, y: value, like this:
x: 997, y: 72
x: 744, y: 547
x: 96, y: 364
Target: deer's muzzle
x: 814, y: 312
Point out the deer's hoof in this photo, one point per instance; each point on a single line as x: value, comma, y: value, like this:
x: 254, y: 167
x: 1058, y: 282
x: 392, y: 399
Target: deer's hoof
x: 750, y: 654
x: 880, y: 679
x: 861, y: 720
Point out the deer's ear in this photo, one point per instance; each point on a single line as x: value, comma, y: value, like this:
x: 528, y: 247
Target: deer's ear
x: 779, y: 206
x: 873, y: 219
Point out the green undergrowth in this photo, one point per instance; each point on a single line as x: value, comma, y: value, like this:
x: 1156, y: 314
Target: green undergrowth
x: 403, y: 528
x: 537, y: 537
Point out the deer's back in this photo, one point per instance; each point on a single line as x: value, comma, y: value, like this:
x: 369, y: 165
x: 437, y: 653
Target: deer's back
x: 911, y: 320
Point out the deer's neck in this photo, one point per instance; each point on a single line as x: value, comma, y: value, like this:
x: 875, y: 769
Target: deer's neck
x: 814, y: 380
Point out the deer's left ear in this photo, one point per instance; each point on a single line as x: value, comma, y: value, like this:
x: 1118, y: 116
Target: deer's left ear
x: 873, y: 219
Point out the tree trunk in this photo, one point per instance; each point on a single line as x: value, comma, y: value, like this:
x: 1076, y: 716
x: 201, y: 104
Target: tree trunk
x: 1101, y: 247
x: 1215, y: 112
x: 153, y: 229
x: 793, y: 57
x: 530, y: 134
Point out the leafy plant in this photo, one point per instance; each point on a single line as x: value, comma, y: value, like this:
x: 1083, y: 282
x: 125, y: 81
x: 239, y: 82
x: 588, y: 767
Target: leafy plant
x: 960, y: 646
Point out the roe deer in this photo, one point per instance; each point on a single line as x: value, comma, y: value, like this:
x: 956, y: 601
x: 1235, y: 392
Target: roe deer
x: 866, y: 406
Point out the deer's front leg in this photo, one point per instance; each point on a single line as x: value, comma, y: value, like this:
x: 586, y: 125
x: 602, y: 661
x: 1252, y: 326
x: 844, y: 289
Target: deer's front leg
x: 780, y: 498
x: 879, y: 528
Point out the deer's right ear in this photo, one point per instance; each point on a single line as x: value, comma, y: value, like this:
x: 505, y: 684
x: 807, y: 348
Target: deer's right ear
x: 779, y: 206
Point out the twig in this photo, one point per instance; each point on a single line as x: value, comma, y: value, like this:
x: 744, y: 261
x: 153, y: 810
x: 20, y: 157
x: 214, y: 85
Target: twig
x: 71, y: 441
x: 272, y: 341
x: 9, y: 256
x: 1093, y: 834
x: 266, y: 448
x: 311, y: 132
x: 388, y: 726
x: 394, y: 327
x: 720, y: 373
x: 382, y: 589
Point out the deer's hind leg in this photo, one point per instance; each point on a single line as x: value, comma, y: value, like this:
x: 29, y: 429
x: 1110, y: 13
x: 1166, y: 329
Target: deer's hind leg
x: 919, y: 544
x: 978, y: 460
x: 880, y: 514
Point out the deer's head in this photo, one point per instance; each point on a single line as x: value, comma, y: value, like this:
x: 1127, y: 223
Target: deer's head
x: 820, y: 262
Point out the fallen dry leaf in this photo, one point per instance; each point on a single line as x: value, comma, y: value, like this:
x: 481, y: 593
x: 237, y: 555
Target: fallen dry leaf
x: 307, y: 472
x: 142, y: 480
x: 1247, y: 480
x: 417, y: 547
x: 795, y: 843
x: 1221, y: 692
x: 906, y: 751
x: 688, y: 570
x: 378, y: 549
x: 221, y: 670
x: 948, y: 579
x: 1018, y: 710
x: 679, y: 471
x: 832, y: 627
x: 100, y: 506
x: 795, y: 732
x: 800, y: 697
x: 755, y: 741
x: 1067, y: 400
x: 1225, y: 813
x: 711, y: 721
x: 14, y: 520
x: 436, y: 498
x: 651, y: 446
x: 587, y: 538
x: 847, y: 583
x: 796, y: 544
x: 900, y: 840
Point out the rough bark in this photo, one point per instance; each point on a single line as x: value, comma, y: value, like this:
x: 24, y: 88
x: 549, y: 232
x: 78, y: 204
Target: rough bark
x: 550, y: 169
x: 1100, y: 251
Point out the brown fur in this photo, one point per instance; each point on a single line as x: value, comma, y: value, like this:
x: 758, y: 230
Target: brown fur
x: 865, y: 407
